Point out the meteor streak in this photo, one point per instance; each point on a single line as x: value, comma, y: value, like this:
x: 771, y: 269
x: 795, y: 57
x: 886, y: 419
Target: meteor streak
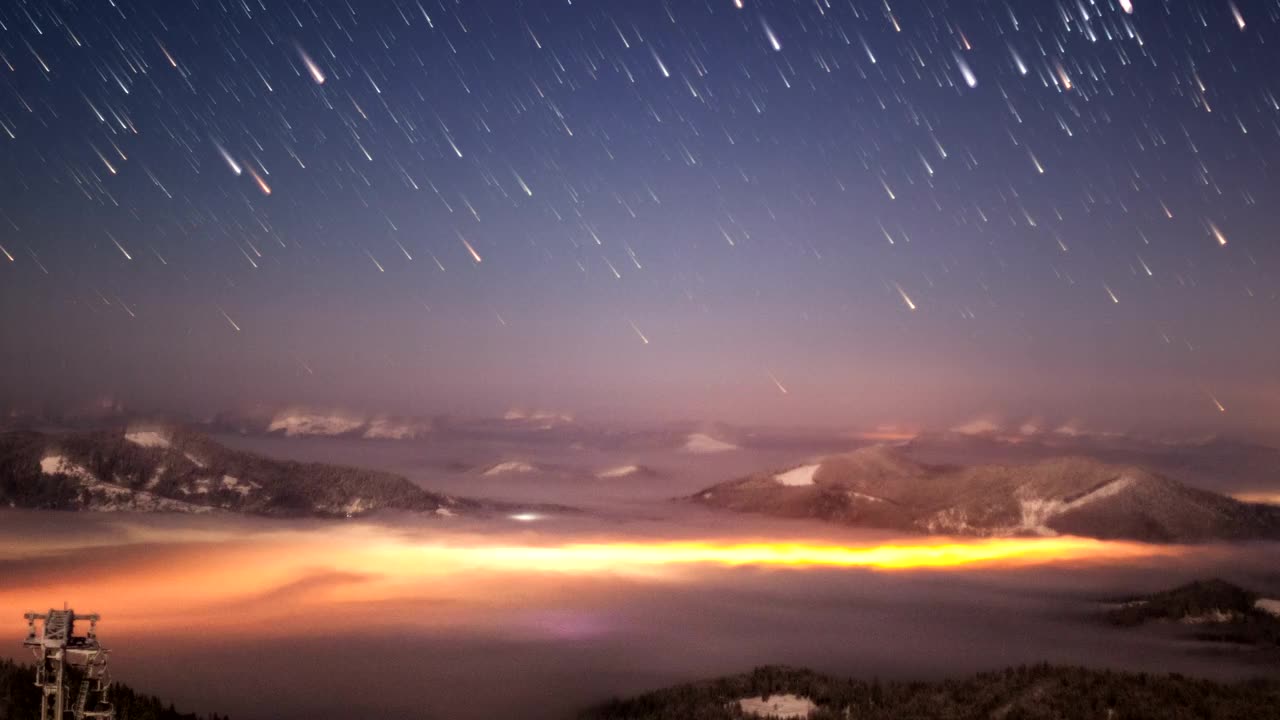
x: 105, y: 161
x: 1217, y: 234
x: 119, y: 247
x: 229, y: 320
x: 1235, y: 13
x: 969, y: 78
x: 474, y: 255
x: 262, y: 184
x: 1216, y: 404
x: 1063, y: 76
x: 231, y: 162
x: 661, y: 65
x: 773, y: 38
x: 643, y: 339
x: 1017, y: 60
x: 905, y: 298
x: 774, y: 378
x: 167, y: 56
x: 523, y: 186
x: 316, y: 73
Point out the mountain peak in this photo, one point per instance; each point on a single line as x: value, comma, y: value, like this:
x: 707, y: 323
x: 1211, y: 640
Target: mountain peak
x: 882, y: 486
x: 875, y: 462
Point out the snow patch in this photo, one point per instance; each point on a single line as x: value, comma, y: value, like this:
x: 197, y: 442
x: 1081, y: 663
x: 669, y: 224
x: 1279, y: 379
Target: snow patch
x: 147, y: 438
x: 951, y: 520
x: 796, y: 477
x: 1037, y: 512
x: 863, y: 496
x: 702, y: 443
x: 57, y: 464
x: 105, y: 497
x: 618, y: 472
x: 109, y: 497
x: 787, y: 707
x: 546, y: 418
x: 388, y: 429
x: 510, y: 466
x: 1268, y: 605
x: 1069, y: 430
x: 1213, y: 617
x: 240, y: 486
x: 356, y: 506
x: 297, y: 423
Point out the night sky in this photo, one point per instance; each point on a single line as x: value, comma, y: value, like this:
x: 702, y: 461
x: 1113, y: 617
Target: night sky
x: 914, y: 213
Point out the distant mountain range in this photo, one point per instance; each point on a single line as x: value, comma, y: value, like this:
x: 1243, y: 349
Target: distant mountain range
x: 178, y: 470
x: 885, y: 488
x: 543, y: 427
x: 1236, y: 466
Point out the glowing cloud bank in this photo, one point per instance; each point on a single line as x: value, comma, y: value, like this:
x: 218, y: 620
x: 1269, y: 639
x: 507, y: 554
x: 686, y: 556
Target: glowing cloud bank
x: 625, y: 556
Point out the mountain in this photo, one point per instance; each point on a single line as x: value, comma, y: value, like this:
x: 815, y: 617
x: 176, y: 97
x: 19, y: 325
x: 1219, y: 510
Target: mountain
x: 883, y: 487
x: 178, y: 470
x: 702, y: 443
x: 1220, y: 610
x: 1040, y: 692
x: 1223, y: 465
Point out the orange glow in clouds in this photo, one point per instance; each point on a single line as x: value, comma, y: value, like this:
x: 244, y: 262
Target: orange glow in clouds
x: 213, y: 578
x: 621, y: 557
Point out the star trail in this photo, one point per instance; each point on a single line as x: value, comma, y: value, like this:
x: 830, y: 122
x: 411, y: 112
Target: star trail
x: 886, y: 212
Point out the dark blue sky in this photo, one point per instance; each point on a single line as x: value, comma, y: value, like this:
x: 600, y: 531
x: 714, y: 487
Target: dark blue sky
x: 905, y: 212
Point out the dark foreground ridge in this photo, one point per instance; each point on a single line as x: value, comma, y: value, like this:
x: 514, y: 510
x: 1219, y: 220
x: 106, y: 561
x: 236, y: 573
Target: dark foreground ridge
x: 1040, y: 692
x: 20, y: 699
x: 179, y: 470
x: 886, y: 488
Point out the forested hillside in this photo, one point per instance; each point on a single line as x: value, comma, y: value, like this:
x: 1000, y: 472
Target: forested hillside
x: 177, y: 470
x: 20, y: 699
x: 1040, y: 692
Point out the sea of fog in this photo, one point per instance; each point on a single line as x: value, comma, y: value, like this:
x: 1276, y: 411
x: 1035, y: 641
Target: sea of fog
x: 403, y: 616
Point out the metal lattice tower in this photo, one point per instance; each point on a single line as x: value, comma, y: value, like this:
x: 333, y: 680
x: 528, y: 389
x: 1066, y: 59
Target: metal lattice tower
x: 71, y: 670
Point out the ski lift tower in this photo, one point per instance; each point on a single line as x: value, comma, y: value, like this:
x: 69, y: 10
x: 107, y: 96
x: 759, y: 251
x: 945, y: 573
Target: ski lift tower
x: 71, y: 670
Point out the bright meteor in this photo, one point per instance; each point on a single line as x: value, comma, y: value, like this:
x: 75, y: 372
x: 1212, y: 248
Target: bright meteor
x: 312, y: 68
